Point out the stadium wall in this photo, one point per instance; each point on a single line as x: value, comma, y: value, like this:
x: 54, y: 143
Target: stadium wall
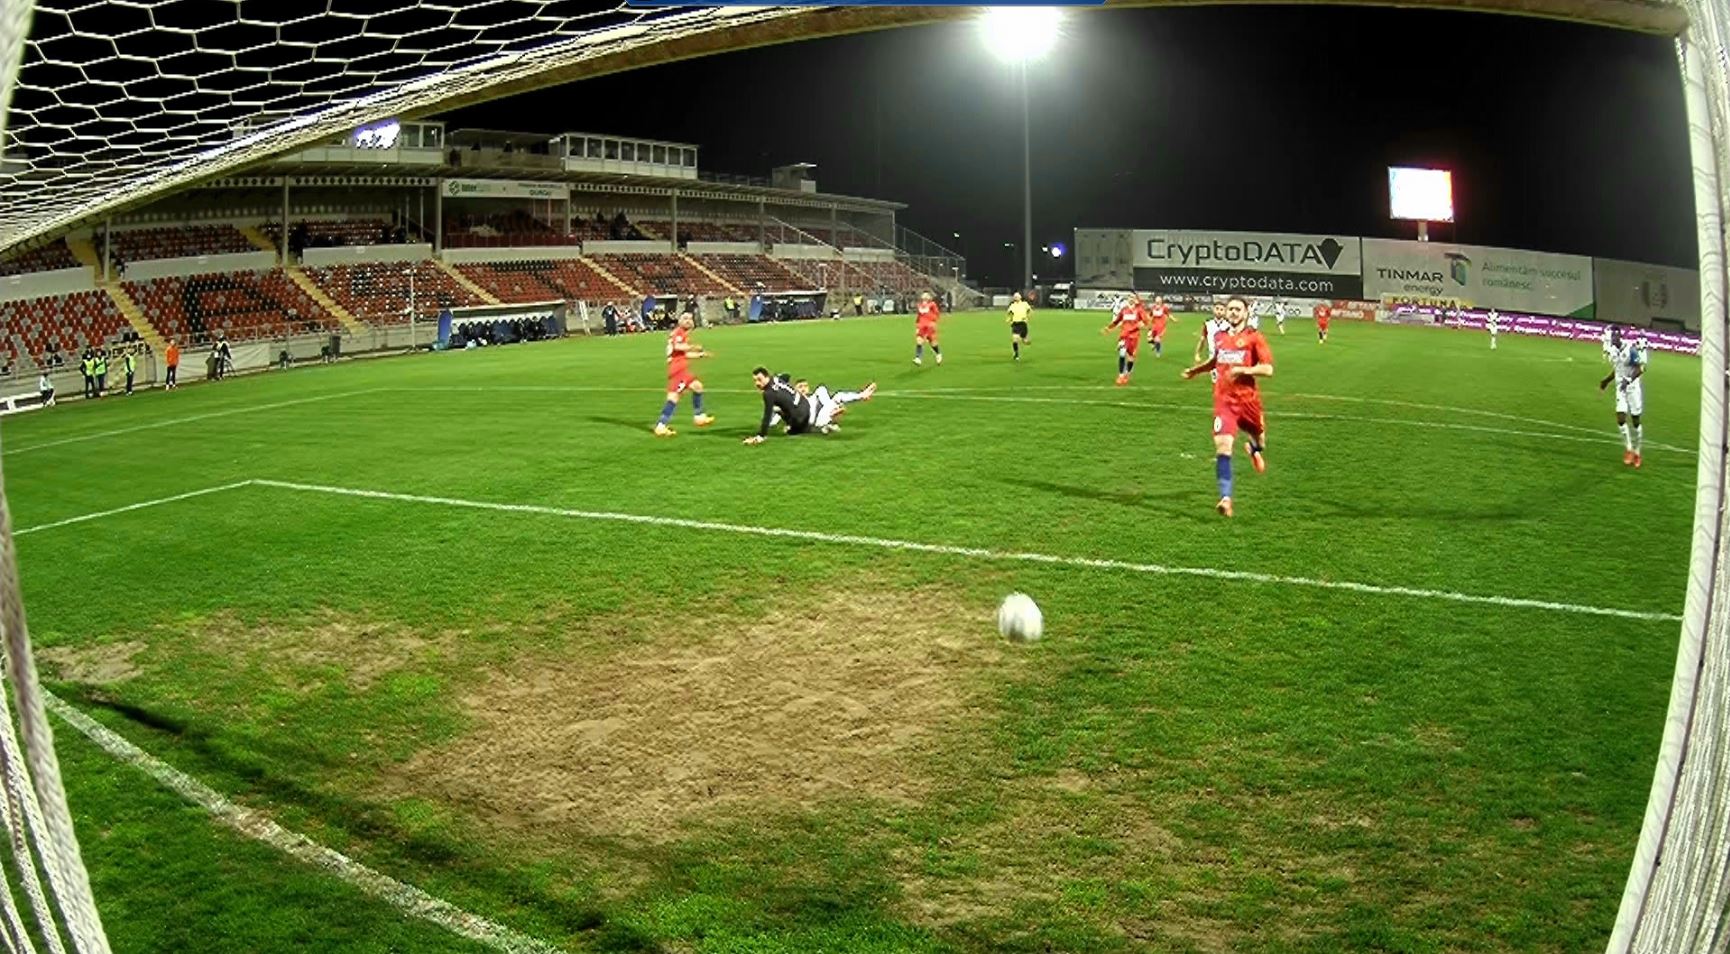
x: 147, y: 269
x: 364, y: 254
x: 1639, y: 294
x: 65, y: 281
x: 1178, y: 263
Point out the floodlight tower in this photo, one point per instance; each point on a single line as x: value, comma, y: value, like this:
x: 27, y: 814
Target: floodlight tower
x: 1018, y: 35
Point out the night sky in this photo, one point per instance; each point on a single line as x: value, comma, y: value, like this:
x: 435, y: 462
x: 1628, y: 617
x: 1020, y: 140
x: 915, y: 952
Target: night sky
x: 1562, y: 137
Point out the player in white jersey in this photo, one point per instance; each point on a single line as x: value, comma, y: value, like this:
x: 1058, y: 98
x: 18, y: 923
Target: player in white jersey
x: 1279, y: 314
x: 1627, y: 367
x: 1493, y: 321
x: 1210, y: 328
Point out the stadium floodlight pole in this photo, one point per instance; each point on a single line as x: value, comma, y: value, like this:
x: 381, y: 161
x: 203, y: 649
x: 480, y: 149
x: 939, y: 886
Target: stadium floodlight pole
x: 1019, y: 35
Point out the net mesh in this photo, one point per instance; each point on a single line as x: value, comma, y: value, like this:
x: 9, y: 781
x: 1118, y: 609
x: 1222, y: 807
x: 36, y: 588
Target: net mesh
x: 120, y: 100
x: 45, y: 861
x: 1679, y: 884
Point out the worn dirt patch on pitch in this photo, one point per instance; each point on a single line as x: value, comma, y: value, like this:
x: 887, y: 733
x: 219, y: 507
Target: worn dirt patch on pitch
x: 838, y: 697
x: 323, y: 645
x: 99, y: 665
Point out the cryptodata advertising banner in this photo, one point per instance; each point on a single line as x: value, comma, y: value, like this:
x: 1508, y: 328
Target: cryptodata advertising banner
x: 1438, y: 273
x: 1182, y: 262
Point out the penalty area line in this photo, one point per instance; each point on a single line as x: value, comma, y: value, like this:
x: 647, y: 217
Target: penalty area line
x: 403, y: 896
x: 983, y: 553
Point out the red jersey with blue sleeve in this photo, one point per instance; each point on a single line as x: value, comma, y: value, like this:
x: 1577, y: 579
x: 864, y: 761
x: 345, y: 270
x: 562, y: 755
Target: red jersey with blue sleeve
x: 1237, y: 399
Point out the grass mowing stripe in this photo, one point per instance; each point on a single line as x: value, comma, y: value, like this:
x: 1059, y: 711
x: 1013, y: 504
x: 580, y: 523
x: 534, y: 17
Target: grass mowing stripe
x: 1246, y: 576
x: 405, y: 897
x: 141, y: 505
x: 189, y: 419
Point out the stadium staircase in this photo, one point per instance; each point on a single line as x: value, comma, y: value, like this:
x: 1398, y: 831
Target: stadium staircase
x: 352, y: 324
x: 84, y: 250
x: 717, y: 279
x: 259, y: 240
x: 133, y: 314
x: 468, y: 283
x: 601, y: 270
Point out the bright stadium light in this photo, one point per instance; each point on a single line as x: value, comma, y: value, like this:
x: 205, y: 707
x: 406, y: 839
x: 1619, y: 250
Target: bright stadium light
x: 1018, y: 36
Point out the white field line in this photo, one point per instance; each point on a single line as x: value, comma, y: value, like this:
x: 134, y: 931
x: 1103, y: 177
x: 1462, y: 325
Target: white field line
x: 404, y: 897
x: 981, y: 552
x: 141, y: 505
x: 1274, y: 416
x: 189, y: 419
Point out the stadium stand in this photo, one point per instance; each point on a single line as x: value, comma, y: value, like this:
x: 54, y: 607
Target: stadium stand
x: 750, y: 272
x: 245, y: 306
x: 135, y: 245
x: 334, y: 233
x: 34, y: 327
x: 48, y: 258
x: 513, y: 229
x: 704, y: 231
x: 379, y: 294
x: 661, y: 275
x: 527, y: 282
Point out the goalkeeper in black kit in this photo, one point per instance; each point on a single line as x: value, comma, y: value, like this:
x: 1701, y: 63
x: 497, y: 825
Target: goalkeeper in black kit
x: 798, y: 407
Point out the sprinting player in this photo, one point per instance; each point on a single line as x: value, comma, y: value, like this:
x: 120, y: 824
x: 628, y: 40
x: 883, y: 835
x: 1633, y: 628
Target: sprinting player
x: 680, y: 351
x: 1279, y: 314
x: 1241, y: 355
x: 925, y: 329
x: 1158, y: 315
x: 1211, y: 328
x: 1019, y: 310
x: 1627, y: 367
x: 1131, y: 315
x: 1324, y: 314
x: 1493, y: 322
x: 827, y: 406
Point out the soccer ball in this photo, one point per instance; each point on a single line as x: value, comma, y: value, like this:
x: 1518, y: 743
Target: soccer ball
x: 1019, y: 618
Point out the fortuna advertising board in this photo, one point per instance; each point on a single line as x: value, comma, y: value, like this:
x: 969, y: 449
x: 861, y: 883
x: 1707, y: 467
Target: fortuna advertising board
x: 1538, y: 283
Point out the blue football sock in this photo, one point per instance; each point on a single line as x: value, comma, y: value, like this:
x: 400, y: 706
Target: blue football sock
x: 1121, y: 360
x: 1222, y: 468
x: 918, y: 351
x: 1130, y: 368
x: 696, y: 402
x: 667, y: 411
x: 1158, y: 348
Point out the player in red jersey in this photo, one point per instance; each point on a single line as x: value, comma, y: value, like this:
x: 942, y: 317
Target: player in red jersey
x: 1130, y: 318
x: 925, y: 329
x: 1240, y: 356
x: 1324, y: 314
x: 680, y: 350
x: 1159, y: 314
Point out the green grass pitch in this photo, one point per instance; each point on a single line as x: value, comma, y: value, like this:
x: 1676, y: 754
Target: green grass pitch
x: 640, y: 736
